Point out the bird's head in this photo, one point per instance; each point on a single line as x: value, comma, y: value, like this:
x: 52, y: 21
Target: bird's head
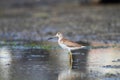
x: 58, y: 35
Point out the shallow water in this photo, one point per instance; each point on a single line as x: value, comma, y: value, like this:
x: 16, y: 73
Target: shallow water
x: 29, y: 60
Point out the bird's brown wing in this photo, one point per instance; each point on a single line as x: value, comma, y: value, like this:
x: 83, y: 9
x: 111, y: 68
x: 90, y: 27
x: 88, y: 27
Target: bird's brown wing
x: 69, y: 43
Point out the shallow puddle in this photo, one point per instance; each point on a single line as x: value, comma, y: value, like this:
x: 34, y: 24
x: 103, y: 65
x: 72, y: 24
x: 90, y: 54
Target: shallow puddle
x: 30, y: 60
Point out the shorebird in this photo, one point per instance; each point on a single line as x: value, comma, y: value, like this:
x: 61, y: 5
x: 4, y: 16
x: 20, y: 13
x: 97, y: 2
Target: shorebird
x: 67, y: 44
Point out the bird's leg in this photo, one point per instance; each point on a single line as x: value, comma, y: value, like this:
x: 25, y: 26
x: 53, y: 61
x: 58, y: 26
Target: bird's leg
x: 71, y: 59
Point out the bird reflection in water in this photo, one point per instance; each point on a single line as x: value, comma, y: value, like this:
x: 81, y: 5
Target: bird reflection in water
x: 71, y: 75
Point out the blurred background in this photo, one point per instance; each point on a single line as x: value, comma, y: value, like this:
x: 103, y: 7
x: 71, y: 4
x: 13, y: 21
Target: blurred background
x: 26, y: 54
x: 77, y: 19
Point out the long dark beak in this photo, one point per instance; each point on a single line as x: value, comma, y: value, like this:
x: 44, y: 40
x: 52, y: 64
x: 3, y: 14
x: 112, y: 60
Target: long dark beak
x: 52, y: 37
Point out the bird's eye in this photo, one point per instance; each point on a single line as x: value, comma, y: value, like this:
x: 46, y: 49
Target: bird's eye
x: 58, y: 33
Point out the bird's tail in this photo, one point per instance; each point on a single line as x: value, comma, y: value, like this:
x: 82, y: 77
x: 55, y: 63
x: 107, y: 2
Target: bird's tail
x: 83, y: 47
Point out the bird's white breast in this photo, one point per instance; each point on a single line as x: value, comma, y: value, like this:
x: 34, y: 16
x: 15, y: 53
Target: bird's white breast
x: 62, y: 45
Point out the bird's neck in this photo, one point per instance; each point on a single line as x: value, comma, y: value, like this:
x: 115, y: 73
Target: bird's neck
x: 60, y: 38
